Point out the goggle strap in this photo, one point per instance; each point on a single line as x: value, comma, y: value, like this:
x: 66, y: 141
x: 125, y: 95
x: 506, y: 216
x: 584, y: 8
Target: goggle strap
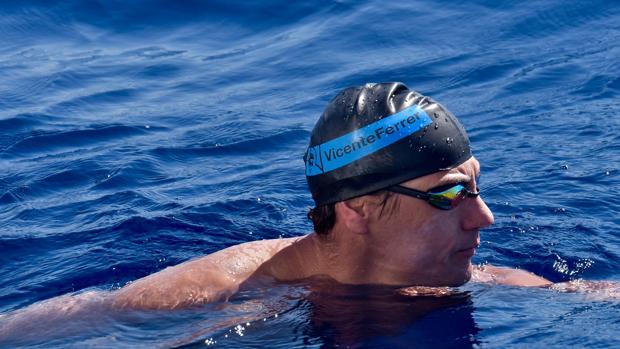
x: 408, y: 191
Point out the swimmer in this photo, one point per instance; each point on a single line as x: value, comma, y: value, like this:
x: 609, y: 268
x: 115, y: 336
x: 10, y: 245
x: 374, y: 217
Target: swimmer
x: 397, y: 203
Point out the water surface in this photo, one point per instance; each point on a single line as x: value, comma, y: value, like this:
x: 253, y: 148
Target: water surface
x: 135, y: 136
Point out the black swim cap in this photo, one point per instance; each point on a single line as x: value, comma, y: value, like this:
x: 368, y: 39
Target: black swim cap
x: 378, y: 135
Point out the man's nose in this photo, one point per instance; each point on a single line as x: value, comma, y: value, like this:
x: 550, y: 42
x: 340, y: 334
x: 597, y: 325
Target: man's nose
x: 478, y: 215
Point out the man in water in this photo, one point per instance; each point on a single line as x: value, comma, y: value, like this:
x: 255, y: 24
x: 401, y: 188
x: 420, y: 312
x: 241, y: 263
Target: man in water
x: 397, y: 203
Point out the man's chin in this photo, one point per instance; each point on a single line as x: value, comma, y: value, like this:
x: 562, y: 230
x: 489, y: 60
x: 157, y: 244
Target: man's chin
x: 468, y: 273
x: 452, y: 277
x: 463, y: 277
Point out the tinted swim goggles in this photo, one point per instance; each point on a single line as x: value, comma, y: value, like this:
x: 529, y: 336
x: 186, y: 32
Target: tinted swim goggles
x: 444, y: 197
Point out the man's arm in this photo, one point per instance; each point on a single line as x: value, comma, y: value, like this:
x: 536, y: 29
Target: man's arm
x: 486, y: 273
x: 508, y: 276
x: 190, y: 283
x: 592, y: 290
x: 212, y: 278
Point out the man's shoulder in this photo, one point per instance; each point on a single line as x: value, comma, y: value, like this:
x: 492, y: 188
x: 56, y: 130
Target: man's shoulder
x: 245, y: 257
x: 260, y: 247
x: 210, y: 278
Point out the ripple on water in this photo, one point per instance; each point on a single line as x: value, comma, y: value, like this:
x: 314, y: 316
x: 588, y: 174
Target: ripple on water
x: 139, y: 136
x: 271, y: 143
x: 44, y: 142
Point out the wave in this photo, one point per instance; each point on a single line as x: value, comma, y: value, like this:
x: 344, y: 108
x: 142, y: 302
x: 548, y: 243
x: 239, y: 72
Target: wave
x: 44, y: 142
x: 271, y: 143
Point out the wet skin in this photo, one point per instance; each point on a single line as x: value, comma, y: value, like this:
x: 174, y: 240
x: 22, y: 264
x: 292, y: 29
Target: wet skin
x: 410, y: 243
x: 403, y: 242
x: 423, y: 245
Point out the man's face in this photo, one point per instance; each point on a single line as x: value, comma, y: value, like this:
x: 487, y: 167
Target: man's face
x: 421, y: 245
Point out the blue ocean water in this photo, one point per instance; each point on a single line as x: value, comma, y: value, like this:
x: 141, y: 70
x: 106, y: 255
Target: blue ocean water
x: 137, y: 135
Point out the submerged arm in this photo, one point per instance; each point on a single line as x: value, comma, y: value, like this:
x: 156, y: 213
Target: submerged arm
x: 211, y: 278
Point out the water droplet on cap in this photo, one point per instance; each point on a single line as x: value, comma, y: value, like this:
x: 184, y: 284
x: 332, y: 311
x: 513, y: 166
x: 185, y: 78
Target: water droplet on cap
x: 449, y: 140
x: 436, y: 115
x: 436, y: 126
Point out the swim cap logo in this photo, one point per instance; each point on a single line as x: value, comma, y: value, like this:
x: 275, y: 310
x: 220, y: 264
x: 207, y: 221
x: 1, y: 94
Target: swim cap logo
x: 313, y: 161
x: 353, y: 146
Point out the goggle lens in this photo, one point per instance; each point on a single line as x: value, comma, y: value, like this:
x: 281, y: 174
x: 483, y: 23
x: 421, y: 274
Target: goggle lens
x: 443, y: 199
x: 448, y: 199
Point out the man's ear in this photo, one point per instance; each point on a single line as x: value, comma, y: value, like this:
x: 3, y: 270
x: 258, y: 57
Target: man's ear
x: 354, y: 215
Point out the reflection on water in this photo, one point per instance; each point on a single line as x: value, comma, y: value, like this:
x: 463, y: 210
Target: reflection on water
x: 383, y: 317
x: 325, y: 314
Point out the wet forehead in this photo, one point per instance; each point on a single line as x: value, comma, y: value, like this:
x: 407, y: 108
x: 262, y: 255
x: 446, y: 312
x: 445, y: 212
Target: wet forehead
x: 465, y: 172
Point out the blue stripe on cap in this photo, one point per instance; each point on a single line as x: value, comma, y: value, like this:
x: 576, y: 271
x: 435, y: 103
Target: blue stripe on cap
x: 353, y: 146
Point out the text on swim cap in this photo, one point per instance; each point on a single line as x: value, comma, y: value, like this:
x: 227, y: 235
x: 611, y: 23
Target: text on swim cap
x: 355, y: 145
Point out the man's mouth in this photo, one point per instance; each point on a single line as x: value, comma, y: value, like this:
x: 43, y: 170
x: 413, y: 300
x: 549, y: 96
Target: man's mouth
x: 468, y: 251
